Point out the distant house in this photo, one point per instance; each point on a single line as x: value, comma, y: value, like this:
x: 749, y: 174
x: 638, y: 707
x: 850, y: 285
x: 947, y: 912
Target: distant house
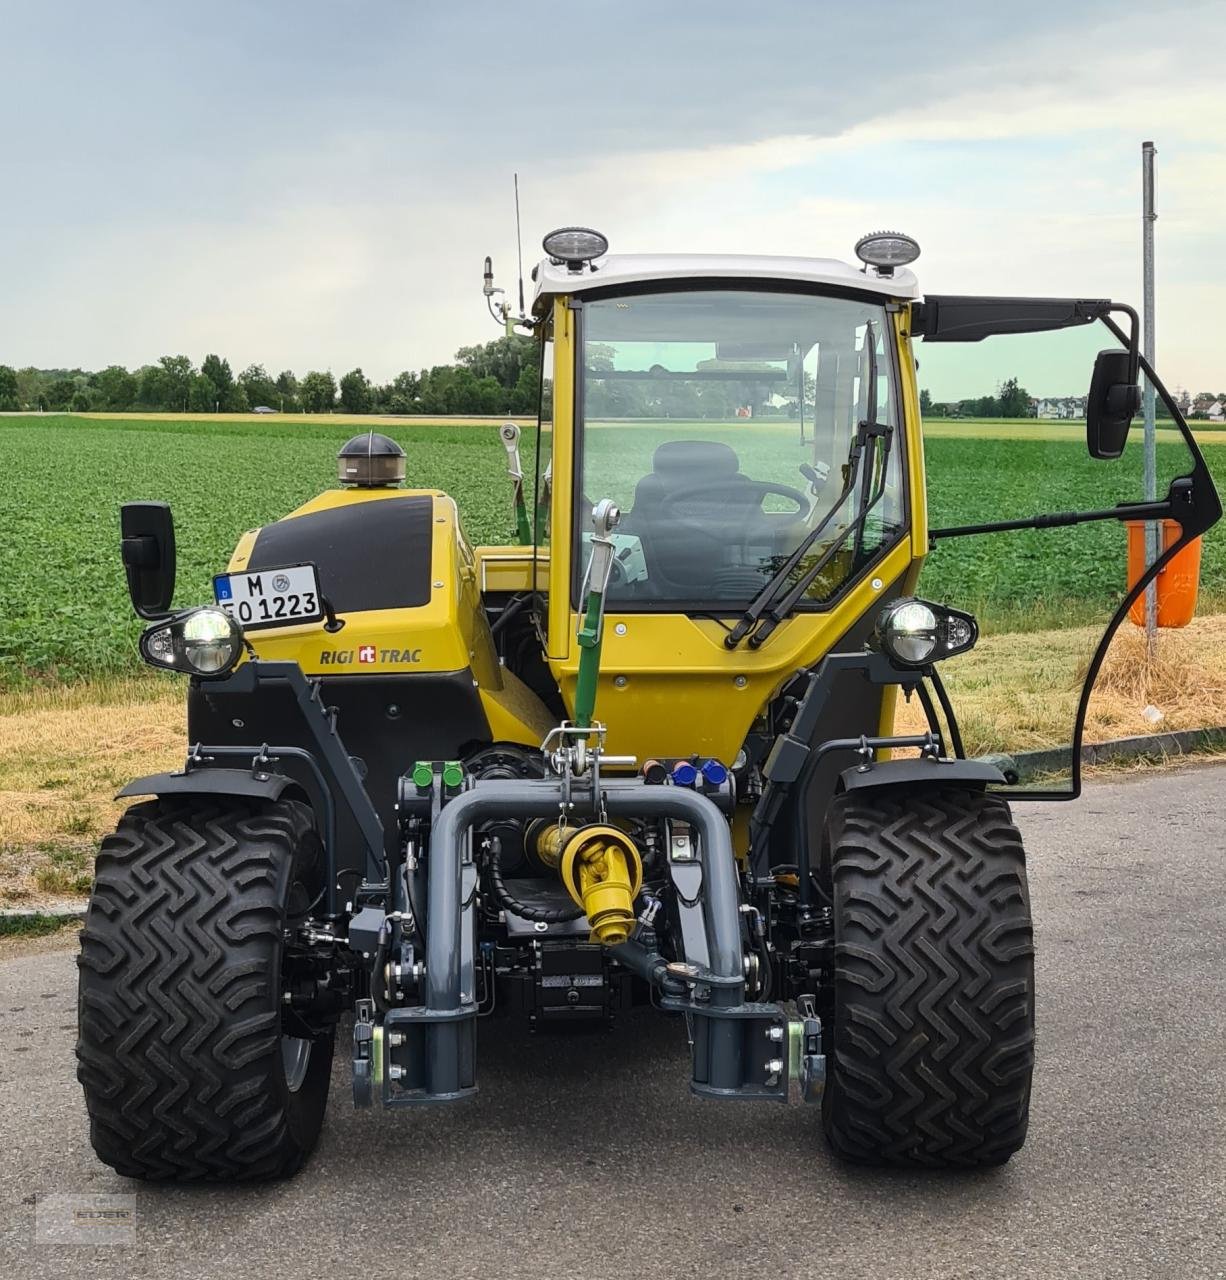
x: 1216, y: 412
x: 1202, y: 403
x: 1061, y: 407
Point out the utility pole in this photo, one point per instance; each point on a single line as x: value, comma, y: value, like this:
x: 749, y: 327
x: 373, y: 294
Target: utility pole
x: 1153, y: 545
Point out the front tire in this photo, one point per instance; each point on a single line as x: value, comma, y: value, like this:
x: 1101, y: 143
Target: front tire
x: 933, y: 1035
x: 188, y: 1073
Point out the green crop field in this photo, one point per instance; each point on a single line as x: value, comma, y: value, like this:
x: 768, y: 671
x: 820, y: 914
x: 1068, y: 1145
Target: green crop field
x: 64, y: 611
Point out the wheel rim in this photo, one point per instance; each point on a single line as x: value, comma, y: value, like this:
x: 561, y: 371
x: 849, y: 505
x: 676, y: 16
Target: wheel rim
x: 295, y: 1057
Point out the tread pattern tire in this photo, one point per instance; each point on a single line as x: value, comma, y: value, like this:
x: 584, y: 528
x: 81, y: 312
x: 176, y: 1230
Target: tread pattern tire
x: 933, y: 1036
x: 179, y: 1006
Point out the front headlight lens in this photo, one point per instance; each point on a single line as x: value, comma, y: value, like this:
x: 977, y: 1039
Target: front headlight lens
x: 211, y: 641
x: 201, y: 642
x: 913, y: 632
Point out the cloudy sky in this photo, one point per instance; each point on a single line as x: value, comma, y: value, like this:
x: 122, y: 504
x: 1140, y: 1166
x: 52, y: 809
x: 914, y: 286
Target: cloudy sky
x: 314, y: 185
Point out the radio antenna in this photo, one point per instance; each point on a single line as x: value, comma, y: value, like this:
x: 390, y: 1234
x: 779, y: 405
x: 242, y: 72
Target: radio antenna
x: 519, y: 247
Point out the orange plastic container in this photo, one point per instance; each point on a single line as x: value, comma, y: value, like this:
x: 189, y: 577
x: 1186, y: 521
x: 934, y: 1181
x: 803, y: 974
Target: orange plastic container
x: 1178, y: 581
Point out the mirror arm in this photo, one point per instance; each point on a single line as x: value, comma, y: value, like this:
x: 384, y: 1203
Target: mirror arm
x: 1133, y: 340
x: 1062, y: 519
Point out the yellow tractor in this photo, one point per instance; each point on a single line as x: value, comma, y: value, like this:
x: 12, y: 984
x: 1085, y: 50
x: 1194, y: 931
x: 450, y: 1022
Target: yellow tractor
x: 644, y: 755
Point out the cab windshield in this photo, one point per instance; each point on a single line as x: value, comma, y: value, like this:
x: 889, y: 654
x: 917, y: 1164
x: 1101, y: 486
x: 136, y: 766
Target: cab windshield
x: 724, y: 423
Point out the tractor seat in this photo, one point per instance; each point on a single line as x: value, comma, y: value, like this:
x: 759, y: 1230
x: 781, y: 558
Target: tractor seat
x: 674, y: 556
x: 678, y: 465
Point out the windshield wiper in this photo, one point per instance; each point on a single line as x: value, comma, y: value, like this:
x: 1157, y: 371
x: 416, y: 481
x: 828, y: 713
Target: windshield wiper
x: 776, y: 600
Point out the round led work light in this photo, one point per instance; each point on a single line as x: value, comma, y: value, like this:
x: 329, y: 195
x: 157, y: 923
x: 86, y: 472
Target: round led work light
x: 886, y: 250
x: 575, y: 246
x: 201, y: 642
x: 913, y: 633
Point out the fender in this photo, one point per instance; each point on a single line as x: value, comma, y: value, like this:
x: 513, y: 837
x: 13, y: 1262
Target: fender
x: 210, y: 782
x: 922, y: 772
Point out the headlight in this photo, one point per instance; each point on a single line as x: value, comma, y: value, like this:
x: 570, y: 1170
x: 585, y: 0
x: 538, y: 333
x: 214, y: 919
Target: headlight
x: 914, y: 633
x: 201, y: 642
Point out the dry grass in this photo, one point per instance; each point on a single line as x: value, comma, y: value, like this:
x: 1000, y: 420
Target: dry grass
x: 1183, y: 673
x: 63, y: 754
x: 1020, y: 691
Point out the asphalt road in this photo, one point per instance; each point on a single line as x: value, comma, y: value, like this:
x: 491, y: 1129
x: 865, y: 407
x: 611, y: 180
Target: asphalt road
x: 587, y: 1156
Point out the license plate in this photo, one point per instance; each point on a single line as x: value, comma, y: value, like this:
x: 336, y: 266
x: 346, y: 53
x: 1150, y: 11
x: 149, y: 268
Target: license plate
x: 271, y: 597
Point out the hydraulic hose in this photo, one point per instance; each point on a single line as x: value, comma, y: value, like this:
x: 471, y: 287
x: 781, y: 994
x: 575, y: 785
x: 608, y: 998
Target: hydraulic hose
x: 525, y: 910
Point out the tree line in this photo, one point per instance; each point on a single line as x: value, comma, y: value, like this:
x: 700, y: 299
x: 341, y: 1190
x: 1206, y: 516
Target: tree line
x: 1010, y: 401
x: 1014, y: 401
x: 493, y: 378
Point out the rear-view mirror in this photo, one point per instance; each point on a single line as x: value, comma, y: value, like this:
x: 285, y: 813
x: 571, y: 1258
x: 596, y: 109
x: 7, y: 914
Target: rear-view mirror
x: 1113, y: 402
x: 147, y: 530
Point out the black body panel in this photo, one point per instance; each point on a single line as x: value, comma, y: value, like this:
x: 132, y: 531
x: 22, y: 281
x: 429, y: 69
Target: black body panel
x: 922, y: 771
x: 370, y: 555
x: 387, y: 722
x: 954, y: 318
x: 209, y: 782
x: 854, y: 708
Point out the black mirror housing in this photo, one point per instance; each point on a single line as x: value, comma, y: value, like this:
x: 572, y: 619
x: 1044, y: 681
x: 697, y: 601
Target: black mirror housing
x: 1112, y: 404
x: 147, y: 531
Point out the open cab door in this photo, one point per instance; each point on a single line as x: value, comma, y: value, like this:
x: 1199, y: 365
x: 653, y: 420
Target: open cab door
x: 1029, y: 516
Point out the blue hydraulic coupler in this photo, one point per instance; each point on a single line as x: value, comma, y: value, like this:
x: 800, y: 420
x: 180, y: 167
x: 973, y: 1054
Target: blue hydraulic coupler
x: 714, y: 774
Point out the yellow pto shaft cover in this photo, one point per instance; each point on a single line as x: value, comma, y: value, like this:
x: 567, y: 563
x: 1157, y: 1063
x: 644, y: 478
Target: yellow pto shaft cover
x: 602, y: 871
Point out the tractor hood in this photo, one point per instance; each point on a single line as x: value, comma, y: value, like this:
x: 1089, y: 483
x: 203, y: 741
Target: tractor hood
x: 394, y: 566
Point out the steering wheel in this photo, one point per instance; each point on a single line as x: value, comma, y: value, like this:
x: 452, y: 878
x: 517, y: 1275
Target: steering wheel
x: 730, y: 495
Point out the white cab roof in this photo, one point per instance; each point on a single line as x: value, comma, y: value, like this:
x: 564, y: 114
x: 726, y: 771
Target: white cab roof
x: 636, y: 268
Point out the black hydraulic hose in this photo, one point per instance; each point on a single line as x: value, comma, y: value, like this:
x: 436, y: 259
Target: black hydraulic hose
x: 930, y: 712
x: 955, y: 732
x: 513, y: 609
x: 526, y: 911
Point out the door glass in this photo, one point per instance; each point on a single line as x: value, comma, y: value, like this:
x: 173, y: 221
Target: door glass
x: 1004, y: 436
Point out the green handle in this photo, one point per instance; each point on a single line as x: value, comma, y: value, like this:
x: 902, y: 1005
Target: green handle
x: 523, y: 531
x: 588, y: 637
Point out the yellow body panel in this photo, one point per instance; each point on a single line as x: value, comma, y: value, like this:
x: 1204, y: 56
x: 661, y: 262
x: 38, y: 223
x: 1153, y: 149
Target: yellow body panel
x: 918, y: 492
x: 509, y: 568
x: 448, y: 633
x: 668, y: 686
x: 562, y: 621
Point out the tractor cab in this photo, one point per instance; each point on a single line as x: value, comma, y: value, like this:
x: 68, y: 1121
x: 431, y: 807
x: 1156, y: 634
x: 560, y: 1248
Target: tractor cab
x: 746, y: 416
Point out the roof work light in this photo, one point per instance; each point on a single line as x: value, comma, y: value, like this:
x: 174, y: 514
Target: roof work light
x: 886, y: 250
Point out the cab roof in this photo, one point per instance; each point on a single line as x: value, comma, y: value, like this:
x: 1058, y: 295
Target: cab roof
x: 638, y: 268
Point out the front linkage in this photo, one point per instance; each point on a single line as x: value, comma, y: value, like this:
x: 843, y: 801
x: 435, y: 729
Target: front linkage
x: 408, y: 939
